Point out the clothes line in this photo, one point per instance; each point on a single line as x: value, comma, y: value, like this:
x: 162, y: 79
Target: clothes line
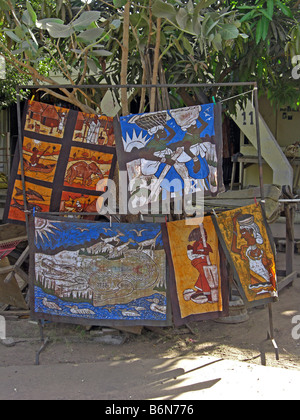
x: 241, y: 94
x: 131, y: 86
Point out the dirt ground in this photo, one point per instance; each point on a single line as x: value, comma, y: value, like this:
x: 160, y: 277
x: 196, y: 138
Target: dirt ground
x: 240, y: 342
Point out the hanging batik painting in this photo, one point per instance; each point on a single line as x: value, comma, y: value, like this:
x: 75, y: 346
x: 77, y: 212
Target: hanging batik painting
x: 97, y: 273
x: 169, y: 152
x: 68, y: 156
x: 198, y: 281
x: 247, y: 242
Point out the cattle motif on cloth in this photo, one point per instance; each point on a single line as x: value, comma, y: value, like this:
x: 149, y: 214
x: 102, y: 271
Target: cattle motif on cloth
x: 97, y: 273
x: 68, y: 156
x: 246, y: 239
x: 199, y: 287
x: 169, y: 152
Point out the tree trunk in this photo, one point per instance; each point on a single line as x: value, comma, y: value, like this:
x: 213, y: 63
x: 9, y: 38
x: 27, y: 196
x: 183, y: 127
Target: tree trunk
x: 155, y: 65
x: 124, y: 63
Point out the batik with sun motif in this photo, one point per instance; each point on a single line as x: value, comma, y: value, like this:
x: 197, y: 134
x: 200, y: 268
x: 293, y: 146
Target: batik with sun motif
x: 171, y: 152
x: 68, y: 156
x: 199, y: 287
x: 247, y: 242
x: 97, y: 273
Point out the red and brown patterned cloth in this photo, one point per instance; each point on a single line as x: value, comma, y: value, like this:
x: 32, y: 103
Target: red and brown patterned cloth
x: 68, y: 157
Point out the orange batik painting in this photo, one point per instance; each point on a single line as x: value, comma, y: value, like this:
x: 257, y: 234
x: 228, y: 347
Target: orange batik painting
x: 247, y: 242
x: 199, y: 287
x: 68, y: 158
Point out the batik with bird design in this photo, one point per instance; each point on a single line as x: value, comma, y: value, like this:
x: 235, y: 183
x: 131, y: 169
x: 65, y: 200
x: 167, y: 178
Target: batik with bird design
x: 91, y: 272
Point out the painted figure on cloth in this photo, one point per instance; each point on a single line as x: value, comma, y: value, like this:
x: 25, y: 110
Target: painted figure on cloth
x: 94, y: 129
x: 263, y: 279
x: 172, y: 145
x: 35, y: 160
x: 46, y: 119
x: 207, y: 283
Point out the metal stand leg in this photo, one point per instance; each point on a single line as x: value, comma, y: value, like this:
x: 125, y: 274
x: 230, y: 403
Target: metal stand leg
x: 44, y: 343
x: 270, y: 337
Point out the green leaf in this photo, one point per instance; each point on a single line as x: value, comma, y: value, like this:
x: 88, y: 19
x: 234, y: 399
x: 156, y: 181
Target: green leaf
x: 42, y: 24
x: 90, y: 35
x: 92, y: 65
x: 203, y: 4
x: 4, y: 5
x: 163, y: 10
x: 197, y: 25
x: 115, y: 24
x: 178, y: 46
x: 85, y: 20
x: 31, y: 12
x: 266, y: 14
x: 244, y: 7
x: 187, y: 45
x: 182, y: 18
x: 259, y: 30
x: 26, y: 19
x: 270, y: 8
x: 119, y: 3
x: 229, y: 31
x: 19, y: 32
x: 265, y: 28
x: 190, y: 7
x: 101, y: 53
x: 217, y: 42
x: 57, y: 30
x: 248, y: 16
x: 59, y: 4
x: 12, y: 35
x: 211, y: 26
x: 285, y: 10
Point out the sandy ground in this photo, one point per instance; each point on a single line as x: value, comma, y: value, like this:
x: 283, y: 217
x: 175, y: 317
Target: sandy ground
x: 240, y: 342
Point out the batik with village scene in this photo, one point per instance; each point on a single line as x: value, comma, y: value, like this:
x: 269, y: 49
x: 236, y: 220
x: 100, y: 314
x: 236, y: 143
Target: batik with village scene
x: 169, y: 152
x: 198, y: 282
x: 68, y: 156
x: 97, y: 273
x: 249, y: 246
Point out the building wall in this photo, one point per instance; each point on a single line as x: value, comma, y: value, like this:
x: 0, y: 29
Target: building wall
x: 284, y: 123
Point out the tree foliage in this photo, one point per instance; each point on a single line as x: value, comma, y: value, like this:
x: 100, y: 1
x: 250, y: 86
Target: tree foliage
x: 153, y: 41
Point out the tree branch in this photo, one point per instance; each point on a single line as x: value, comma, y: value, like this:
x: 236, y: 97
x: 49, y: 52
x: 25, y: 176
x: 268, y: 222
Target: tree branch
x: 124, y: 62
x: 155, y: 65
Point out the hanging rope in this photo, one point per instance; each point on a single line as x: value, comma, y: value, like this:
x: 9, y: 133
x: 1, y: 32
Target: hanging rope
x: 241, y: 94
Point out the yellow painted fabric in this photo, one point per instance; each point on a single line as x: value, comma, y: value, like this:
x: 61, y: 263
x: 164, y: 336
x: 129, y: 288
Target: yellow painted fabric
x: 247, y: 241
x: 196, y: 262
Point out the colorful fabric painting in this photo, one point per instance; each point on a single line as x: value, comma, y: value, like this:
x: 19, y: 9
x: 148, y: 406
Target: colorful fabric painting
x: 91, y: 272
x: 199, y: 287
x: 65, y: 155
x: 170, y: 152
x: 246, y: 239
